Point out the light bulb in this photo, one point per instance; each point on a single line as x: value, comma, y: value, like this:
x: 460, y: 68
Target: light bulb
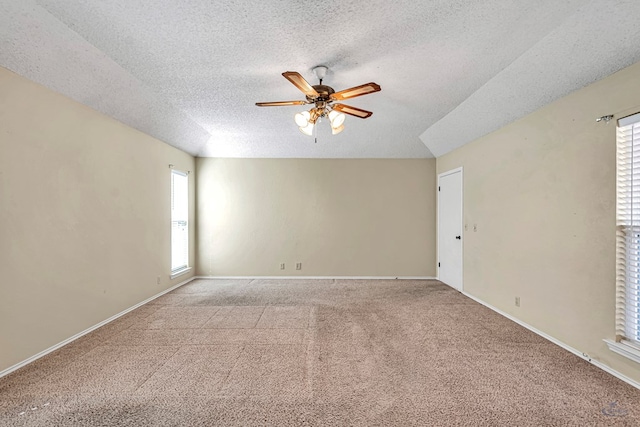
x: 307, y: 130
x: 336, y: 118
x: 302, y: 119
x: 337, y: 130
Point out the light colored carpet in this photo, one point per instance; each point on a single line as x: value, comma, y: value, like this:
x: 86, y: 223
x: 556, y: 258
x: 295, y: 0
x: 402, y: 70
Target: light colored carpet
x: 314, y: 353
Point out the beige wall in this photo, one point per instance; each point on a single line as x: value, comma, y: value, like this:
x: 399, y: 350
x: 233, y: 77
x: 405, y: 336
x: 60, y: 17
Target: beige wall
x: 84, y: 217
x: 542, y: 192
x: 336, y: 217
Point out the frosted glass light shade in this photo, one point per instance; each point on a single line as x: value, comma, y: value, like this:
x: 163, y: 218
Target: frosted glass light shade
x: 307, y: 130
x: 337, y: 130
x: 302, y: 119
x: 336, y: 118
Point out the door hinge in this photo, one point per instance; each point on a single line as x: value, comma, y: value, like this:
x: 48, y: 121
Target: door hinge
x: 438, y: 188
x: 438, y: 264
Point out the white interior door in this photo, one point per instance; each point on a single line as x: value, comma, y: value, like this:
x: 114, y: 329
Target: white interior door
x: 450, y: 228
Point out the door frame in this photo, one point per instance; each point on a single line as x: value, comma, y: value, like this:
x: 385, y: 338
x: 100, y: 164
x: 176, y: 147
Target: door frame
x: 442, y: 175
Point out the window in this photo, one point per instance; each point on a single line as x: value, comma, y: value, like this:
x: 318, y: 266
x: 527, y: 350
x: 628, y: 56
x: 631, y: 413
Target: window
x: 628, y: 232
x: 179, y: 221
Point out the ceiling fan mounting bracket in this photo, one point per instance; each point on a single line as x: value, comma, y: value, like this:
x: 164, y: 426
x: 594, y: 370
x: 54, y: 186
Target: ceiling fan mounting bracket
x: 320, y: 71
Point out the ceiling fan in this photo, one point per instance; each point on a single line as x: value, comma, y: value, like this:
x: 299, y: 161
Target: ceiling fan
x: 323, y: 97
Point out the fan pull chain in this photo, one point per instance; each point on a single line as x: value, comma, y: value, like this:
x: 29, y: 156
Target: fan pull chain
x: 315, y: 128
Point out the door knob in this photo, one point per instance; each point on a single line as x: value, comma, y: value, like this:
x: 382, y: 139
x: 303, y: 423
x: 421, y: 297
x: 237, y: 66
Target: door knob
x: 458, y: 237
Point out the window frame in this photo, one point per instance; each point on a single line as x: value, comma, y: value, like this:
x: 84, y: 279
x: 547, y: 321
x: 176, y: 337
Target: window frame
x: 183, y: 267
x: 627, y: 341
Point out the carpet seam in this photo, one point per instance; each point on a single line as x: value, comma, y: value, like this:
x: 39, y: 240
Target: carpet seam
x: 209, y: 318
x: 156, y: 370
x: 259, y: 318
x: 240, y: 353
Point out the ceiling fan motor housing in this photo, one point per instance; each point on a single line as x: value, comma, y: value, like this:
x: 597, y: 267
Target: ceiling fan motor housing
x: 324, y: 92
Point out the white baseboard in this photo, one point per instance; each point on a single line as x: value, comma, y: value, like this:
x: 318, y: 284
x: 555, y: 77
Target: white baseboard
x: 322, y: 277
x: 567, y: 347
x: 86, y: 331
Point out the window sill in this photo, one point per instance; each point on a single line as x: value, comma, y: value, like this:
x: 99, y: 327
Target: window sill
x: 180, y: 272
x: 625, y: 350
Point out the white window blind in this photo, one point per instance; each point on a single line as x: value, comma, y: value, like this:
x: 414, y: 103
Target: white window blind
x: 628, y: 230
x: 179, y: 221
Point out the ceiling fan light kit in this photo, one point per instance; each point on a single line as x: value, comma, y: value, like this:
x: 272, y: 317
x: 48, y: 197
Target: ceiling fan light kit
x: 337, y: 130
x: 302, y: 119
x: 323, y: 97
x: 336, y: 118
x: 307, y: 130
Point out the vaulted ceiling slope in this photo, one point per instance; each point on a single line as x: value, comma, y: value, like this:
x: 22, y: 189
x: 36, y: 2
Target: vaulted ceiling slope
x: 189, y: 72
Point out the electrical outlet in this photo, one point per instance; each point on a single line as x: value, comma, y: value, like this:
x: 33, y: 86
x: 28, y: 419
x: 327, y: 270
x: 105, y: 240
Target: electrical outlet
x: 517, y: 301
x: 158, y: 280
x: 282, y: 266
x: 299, y: 266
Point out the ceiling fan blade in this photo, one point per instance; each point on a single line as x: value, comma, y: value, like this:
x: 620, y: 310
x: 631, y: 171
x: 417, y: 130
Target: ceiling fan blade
x: 352, y: 111
x: 364, y: 89
x: 299, y: 82
x: 280, y: 103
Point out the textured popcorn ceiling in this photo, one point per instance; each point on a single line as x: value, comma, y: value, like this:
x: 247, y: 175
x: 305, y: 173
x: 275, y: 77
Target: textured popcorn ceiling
x: 189, y: 72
